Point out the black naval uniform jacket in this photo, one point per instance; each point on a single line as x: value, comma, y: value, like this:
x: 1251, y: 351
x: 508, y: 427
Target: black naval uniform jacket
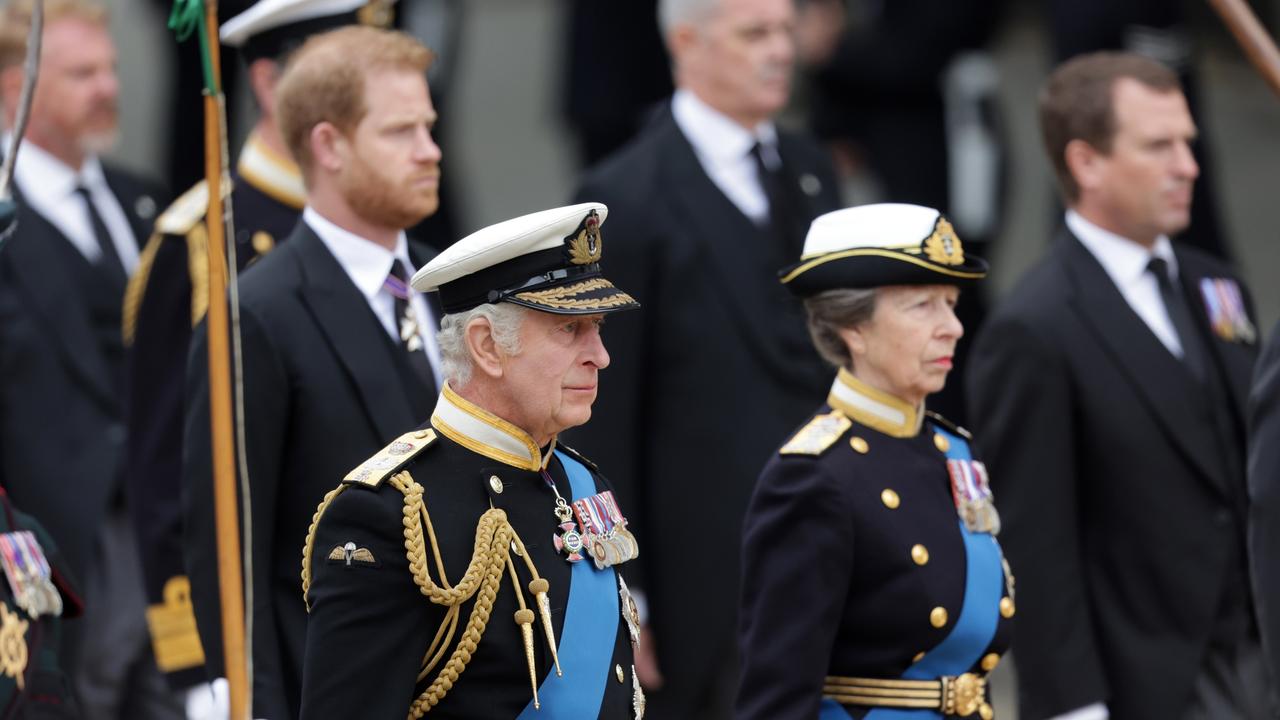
x: 854, y: 563
x: 165, y: 299
x: 369, y: 625
x: 42, y: 691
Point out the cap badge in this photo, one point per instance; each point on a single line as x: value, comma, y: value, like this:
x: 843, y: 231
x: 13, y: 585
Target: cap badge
x: 943, y: 246
x: 376, y: 13
x: 584, y: 245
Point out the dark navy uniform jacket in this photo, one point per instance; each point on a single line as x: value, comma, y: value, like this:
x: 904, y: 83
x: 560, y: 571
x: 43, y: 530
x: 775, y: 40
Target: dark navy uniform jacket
x: 855, y: 561
x: 369, y: 625
x: 165, y: 299
x: 33, y: 683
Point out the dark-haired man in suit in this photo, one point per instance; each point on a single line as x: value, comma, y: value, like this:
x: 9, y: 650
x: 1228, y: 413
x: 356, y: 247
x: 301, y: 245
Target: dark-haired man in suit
x: 709, y: 201
x: 1109, y: 393
x: 339, y: 353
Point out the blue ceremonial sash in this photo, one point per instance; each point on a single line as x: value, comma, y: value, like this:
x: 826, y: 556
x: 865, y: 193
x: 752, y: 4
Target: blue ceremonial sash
x: 979, y: 616
x: 590, y: 630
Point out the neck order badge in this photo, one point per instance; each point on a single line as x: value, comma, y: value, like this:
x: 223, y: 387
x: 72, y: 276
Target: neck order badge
x: 590, y: 631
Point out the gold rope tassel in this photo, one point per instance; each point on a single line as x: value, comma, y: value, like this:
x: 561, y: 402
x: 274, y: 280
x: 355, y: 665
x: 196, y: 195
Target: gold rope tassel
x: 524, y: 618
x: 539, y: 588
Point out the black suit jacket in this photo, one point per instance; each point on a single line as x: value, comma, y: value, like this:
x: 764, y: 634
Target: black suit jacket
x: 1264, y: 495
x: 1121, y: 519
x: 324, y: 388
x: 61, y: 417
x: 703, y: 383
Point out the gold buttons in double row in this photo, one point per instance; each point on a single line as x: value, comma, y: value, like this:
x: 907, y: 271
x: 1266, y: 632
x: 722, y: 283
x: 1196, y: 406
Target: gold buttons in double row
x: 859, y: 445
x: 890, y: 499
x: 990, y: 661
x: 938, y: 618
x: 920, y: 554
x: 617, y: 671
x: 1006, y: 607
x: 495, y: 482
x: 941, y: 442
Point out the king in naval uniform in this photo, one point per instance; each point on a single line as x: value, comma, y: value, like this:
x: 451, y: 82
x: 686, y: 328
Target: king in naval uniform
x: 473, y: 567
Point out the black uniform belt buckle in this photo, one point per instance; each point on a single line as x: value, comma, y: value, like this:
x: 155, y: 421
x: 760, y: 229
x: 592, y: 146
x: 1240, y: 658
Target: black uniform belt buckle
x: 952, y: 695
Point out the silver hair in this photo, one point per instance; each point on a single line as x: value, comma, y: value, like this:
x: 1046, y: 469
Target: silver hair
x: 830, y: 311
x: 456, y: 362
x: 672, y: 13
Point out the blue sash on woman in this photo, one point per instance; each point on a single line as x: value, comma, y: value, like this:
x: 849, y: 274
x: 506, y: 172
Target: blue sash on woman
x: 974, y: 629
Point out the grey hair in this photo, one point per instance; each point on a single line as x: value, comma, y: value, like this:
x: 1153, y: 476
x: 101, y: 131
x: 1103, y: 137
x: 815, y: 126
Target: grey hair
x: 672, y: 13
x: 830, y: 311
x: 455, y: 359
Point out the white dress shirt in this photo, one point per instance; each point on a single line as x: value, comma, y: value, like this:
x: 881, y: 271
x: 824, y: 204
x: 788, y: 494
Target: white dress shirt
x: 1126, y: 263
x: 723, y: 148
x: 368, y: 264
x: 49, y: 186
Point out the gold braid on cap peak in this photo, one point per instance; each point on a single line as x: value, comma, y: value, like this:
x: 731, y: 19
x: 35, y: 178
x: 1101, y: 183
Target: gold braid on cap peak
x: 494, y: 540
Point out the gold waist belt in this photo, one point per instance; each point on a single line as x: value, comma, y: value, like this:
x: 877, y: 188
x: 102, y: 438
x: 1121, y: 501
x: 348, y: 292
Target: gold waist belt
x: 961, y: 695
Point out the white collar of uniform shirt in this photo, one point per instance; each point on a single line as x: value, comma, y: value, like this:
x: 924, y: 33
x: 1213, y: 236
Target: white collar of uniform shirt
x: 49, y: 186
x: 1125, y: 262
x: 368, y: 264
x: 723, y: 148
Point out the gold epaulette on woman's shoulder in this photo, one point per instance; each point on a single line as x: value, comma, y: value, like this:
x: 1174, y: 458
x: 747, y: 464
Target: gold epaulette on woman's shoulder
x: 947, y: 424
x: 819, y: 434
x: 391, y: 458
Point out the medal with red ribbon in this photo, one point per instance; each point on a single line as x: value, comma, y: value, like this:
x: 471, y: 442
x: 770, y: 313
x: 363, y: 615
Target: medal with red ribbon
x: 605, y: 532
x: 972, y: 494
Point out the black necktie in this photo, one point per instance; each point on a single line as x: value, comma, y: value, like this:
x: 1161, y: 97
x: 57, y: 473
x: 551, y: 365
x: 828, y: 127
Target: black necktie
x: 407, y: 327
x: 783, y: 214
x: 1176, y: 305
x: 110, y: 258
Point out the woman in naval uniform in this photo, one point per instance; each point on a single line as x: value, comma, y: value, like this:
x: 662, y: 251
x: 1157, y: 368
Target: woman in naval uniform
x: 873, y: 586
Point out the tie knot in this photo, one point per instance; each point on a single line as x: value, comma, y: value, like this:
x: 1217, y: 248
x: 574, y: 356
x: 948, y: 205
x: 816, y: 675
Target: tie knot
x: 1159, y: 267
x: 397, y: 282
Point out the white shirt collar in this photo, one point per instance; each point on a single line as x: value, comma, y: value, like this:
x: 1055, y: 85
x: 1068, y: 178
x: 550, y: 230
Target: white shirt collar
x: 1124, y: 260
x: 714, y: 136
x: 367, y: 263
x: 43, y: 177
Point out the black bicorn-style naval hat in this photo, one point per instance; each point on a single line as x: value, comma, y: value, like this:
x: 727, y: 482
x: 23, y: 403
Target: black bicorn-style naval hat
x: 548, y: 261
x: 882, y: 244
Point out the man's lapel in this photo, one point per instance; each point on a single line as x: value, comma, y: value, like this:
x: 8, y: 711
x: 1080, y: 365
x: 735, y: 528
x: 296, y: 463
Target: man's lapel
x: 355, y: 336
x: 42, y: 276
x: 1164, y: 383
x: 741, y: 261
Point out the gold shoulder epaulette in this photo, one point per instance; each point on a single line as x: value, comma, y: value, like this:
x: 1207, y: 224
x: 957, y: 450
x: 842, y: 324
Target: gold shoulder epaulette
x: 948, y: 424
x: 819, y: 434
x: 185, y: 212
x: 577, y: 455
x: 373, y: 471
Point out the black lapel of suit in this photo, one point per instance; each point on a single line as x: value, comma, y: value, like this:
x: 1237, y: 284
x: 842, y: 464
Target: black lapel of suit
x: 356, y: 337
x: 1234, y: 360
x: 741, y: 267
x: 139, y: 207
x: 1161, y: 379
x: 42, y: 276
